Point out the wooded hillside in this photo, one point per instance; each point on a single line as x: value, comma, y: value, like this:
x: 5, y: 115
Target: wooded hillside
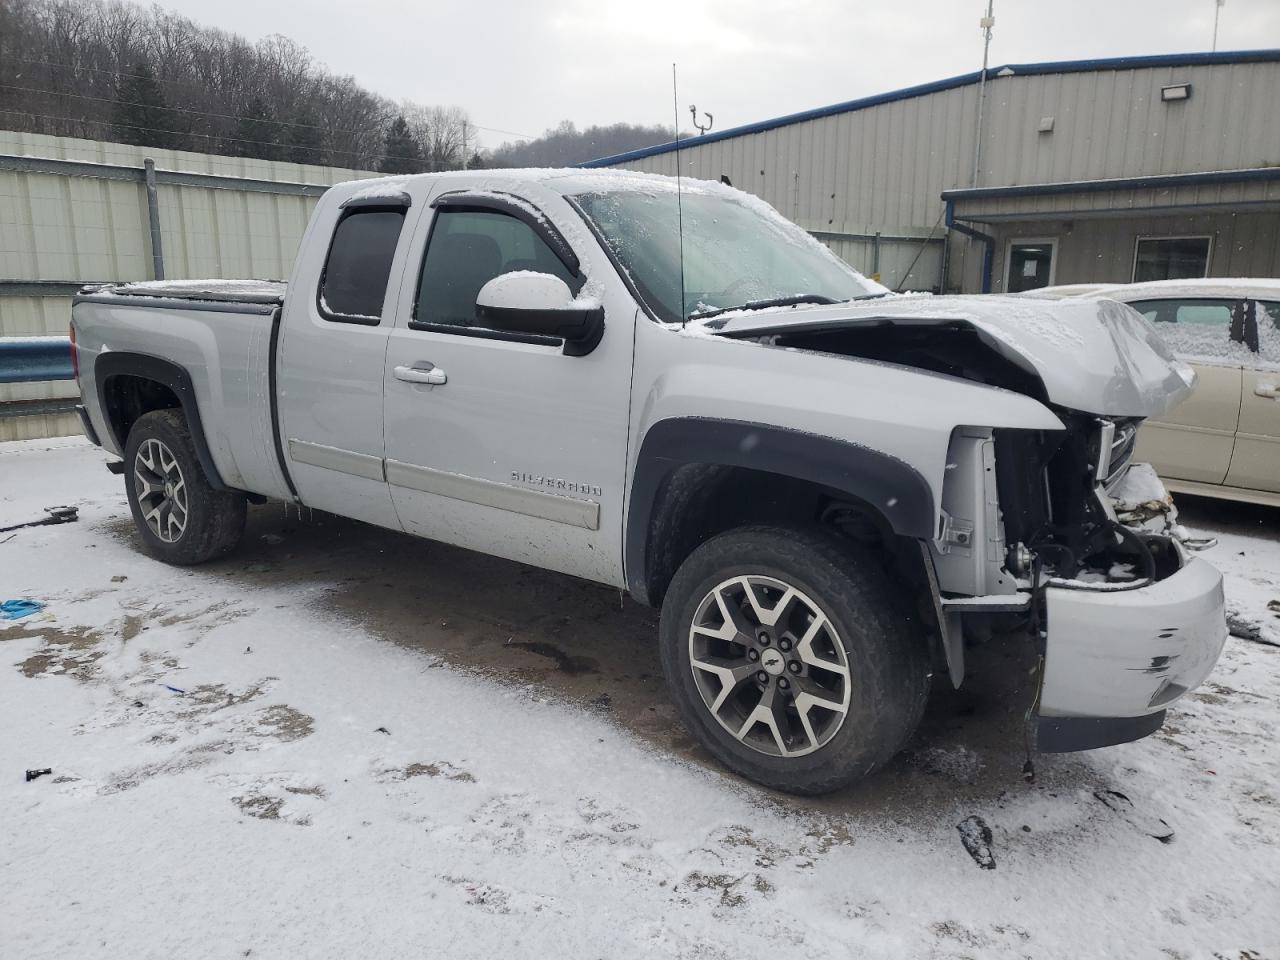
x: 143, y: 75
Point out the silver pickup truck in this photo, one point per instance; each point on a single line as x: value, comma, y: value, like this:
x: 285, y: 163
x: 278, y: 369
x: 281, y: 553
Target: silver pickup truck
x: 673, y: 390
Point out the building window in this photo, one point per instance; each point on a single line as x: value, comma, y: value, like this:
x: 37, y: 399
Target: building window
x: 1170, y: 258
x: 1031, y: 264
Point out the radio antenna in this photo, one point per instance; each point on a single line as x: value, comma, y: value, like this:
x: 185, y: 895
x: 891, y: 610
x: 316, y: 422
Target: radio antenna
x: 675, y: 104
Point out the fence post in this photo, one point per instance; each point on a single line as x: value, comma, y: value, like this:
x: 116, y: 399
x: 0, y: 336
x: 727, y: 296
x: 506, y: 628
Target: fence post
x: 153, y: 213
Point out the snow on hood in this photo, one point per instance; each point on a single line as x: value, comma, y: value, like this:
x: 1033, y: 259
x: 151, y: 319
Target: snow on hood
x: 1095, y: 356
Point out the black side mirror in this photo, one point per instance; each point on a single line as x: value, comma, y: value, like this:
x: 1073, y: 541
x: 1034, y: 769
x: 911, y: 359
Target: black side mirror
x: 542, y: 305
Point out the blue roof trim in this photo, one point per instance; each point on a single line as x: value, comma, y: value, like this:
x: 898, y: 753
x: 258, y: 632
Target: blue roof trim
x: 1155, y: 180
x: 950, y: 83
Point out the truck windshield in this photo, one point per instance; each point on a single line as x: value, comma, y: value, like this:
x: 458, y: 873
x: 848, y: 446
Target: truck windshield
x: 738, y: 253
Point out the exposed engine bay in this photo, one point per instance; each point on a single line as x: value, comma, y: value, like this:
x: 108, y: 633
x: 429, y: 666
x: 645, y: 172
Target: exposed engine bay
x: 1023, y: 510
x: 1053, y: 504
x: 1059, y: 512
x: 955, y: 348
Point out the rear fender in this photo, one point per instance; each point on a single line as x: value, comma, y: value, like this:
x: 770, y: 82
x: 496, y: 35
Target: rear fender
x: 113, y: 364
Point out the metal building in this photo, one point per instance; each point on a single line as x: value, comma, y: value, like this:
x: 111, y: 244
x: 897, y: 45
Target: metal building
x: 81, y: 211
x: 1082, y: 171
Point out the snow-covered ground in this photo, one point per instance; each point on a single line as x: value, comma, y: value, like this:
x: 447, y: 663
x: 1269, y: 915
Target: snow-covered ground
x: 242, y: 769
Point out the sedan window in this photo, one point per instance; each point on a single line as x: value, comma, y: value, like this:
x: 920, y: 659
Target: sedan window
x: 1196, y: 328
x: 1269, y: 331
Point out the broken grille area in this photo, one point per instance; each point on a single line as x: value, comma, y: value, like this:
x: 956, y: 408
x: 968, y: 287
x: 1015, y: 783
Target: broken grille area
x: 1120, y: 452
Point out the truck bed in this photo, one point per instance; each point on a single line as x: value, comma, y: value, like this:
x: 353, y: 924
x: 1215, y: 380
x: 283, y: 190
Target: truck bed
x: 222, y: 334
x: 220, y: 291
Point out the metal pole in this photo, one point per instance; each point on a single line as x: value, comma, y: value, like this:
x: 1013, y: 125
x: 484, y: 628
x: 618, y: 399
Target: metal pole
x: 1217, y: 10
x: 986, y: 23
x: 946, y: 261
x: 153, y: 214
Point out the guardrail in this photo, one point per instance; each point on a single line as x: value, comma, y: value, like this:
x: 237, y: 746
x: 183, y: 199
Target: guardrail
x: 35, y: 359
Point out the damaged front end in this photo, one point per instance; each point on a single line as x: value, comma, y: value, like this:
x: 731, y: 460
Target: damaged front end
x: 1084, y: 548
x: 1052, y: 530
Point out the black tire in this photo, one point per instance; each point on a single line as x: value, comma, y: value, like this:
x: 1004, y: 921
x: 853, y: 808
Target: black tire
x: 213, y: 520
x: 884, y: 643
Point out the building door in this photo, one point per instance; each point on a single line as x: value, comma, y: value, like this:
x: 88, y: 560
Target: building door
x: 1031, y: 264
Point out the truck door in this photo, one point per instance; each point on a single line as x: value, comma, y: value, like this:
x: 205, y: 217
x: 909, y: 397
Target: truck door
x: 332, y: 347
x: 496, y: 441
x: 1255, y: 462
x: 1195, y: 439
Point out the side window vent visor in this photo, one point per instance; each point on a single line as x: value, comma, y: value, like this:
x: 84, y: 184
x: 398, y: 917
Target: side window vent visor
x: 392, y: 199
x: 519, y: 208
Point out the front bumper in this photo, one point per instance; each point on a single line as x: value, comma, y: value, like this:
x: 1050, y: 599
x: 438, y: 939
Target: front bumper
x: 1115, y: 659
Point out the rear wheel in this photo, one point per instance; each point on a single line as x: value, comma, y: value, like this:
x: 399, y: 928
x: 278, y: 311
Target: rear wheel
x: 792, y: 657
x: 180, y: 517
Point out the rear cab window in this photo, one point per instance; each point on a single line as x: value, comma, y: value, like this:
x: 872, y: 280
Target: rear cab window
x: 353, y: 285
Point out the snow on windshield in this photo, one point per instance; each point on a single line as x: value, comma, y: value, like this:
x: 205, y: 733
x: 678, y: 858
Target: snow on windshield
x: 721, y: 247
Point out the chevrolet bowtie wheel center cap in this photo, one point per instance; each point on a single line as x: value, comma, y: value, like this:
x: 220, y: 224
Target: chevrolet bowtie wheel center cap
x: 772, y: 662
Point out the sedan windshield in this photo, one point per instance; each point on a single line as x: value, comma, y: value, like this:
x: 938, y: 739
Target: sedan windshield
x: 737, y: 252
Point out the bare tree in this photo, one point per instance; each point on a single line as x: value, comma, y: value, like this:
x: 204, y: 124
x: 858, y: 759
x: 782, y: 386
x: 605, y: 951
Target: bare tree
x: 565, y: 145
x: 445, y: 134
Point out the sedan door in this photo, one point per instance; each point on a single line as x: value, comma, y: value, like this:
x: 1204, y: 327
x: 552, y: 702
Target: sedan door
x: 1194, y: 441
x: 501, y: 442
x: 1255, y: 462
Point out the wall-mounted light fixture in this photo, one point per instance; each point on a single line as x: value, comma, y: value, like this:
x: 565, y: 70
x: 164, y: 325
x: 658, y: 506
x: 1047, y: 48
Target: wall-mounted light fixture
x: 1046, y: 125
x: 1176, y: 91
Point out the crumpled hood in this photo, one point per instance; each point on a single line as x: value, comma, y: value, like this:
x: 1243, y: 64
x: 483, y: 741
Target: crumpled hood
x: 1092, y: 355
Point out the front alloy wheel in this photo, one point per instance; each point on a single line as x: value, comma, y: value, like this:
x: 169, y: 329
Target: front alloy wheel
x: 769, y: 665
x: 793, y: 656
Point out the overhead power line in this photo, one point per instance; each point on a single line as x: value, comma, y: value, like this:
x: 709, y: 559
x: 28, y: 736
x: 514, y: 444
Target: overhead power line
x: 156, y: 106
x: 434, y: 164
x: 189, y: 83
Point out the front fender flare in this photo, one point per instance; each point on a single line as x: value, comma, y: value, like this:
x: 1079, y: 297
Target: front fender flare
x: 895, y: 489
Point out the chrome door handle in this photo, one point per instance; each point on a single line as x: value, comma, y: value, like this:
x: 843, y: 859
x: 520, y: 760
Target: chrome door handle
x: 427, y: 374
x: 1267, y: 390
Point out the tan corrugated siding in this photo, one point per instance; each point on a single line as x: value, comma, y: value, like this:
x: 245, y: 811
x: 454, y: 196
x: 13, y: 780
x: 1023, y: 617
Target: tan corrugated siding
x: 882, y: 168
x: 59, y: 227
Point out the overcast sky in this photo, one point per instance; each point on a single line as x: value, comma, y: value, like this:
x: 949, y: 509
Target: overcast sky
x: 524, y: 65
